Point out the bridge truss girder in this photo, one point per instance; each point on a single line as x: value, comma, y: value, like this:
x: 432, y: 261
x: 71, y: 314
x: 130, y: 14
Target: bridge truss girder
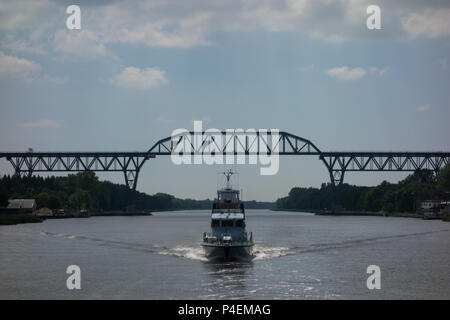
x: 338, y: 163
x: 130, y: 163
x: 238, y: 142
x: 234, y: 142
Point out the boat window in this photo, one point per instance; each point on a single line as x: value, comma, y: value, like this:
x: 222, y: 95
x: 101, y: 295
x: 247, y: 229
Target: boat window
x: 239, y: 223
x: 215, y: 223
x: 227, y: 223
x: 228, y: 197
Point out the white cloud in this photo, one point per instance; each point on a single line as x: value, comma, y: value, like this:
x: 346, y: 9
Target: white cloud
x: 22, y: 46
x: 186, y: 33
x: 12, y: 65
x: 80, y: 44
x: 424, y: 108
x: 39, y: 124
x: 132, y: 77
x: 17, y: 14
x: 432, y: 23
x: 26, y: 70
x: 182, y: 24
x: 344, y: 73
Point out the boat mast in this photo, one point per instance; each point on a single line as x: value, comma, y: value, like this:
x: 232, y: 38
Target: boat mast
x: 228, y: 175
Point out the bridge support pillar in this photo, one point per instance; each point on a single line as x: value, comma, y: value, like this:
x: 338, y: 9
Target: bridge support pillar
x: 23, y: 173
x: 336, y: 177
x: 131, y: 175
x: 131, y: 178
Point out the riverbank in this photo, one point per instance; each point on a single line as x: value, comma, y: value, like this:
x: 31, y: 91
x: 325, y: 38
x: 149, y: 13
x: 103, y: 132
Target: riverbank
x: 100, y: 214
x: 355, y: 213
x: 11, y: 219
x: 378, y: 214
x: 120, y: 213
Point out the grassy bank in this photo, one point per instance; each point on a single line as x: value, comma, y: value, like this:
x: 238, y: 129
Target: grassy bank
x: 11, y: 219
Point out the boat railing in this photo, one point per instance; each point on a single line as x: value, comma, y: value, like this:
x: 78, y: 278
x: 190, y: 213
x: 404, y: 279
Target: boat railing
x: 225, y: 238
x: 228, y: 210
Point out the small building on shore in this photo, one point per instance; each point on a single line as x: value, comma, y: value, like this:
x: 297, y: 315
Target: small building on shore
x: 20, y: 206
x: 430, y: 205
x: 434, y: 209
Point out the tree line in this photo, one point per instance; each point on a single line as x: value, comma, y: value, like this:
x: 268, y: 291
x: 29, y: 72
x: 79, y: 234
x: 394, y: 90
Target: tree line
x: 84, y: 191
x: 404, y: 196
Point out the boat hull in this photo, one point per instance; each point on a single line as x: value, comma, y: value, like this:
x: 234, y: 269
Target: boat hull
x: 216, y: 252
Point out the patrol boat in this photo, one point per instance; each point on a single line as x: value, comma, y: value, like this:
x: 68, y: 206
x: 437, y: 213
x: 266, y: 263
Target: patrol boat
x: 228, y: 239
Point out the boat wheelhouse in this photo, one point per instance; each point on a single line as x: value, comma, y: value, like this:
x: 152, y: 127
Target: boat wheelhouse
x: 228, y: 239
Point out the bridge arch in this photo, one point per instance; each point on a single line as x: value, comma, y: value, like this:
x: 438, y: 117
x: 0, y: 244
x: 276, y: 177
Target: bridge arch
x: 286, y: 143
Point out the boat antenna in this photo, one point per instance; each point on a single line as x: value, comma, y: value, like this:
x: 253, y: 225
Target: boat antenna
x: 228, y: 175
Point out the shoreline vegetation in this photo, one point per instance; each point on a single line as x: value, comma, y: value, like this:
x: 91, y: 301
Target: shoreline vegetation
x: 400, y: 199
x: 12, y: 219
x: 83, y: 191
x: 355, y: 213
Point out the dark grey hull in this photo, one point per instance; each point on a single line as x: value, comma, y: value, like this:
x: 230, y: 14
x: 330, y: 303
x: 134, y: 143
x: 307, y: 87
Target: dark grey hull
x: 217, y: 252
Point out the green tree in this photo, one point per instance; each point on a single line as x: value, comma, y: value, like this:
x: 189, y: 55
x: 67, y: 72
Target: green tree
x: 87, y: 180
x: 443, y: 182
x: 81, y: 199
x: 3, y: 196
x: 42, y: 200
x: 389, y: 200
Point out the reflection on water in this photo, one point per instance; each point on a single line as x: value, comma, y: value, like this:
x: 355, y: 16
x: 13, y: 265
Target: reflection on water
x: 226, y: 280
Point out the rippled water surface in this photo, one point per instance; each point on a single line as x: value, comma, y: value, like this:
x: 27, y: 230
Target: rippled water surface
x: 297, y: 256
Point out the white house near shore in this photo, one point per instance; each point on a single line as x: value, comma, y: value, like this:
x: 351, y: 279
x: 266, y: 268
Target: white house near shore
x: 22, y: 205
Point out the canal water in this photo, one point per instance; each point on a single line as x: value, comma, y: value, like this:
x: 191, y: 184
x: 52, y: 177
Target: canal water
x: 298, y: 256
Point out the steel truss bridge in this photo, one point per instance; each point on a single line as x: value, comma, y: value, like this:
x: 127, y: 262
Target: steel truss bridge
x: 236, y: 143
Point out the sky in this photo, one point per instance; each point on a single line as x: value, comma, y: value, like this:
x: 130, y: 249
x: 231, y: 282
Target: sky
x: 137, y: 70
